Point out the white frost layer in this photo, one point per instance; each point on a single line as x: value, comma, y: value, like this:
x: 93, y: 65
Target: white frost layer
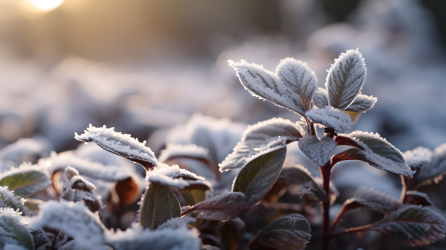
x: 418, y: 157
x: 8, y: 199
x: 13, y: 228
x: 375, y: 200
x: 189, y: 150
x: 362, y: 103
x: 379, y: 151
x: 262, y: 138
x: 319, y: 151
x: 174, y: 176
x: 161, y: 239
x: 331, y: 117
x: 345, y: 79
x: 20, y: 151
x: 74, y: 219
x: 117, y: 143
x: 266, y: 85
x: 13, y: 247
x: 177, y: 222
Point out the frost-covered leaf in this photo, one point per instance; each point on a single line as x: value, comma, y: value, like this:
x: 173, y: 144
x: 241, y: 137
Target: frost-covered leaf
x: 33, y: 205
x: 23, y: 150
x: 262, y: 138
x: 374, y: 150
x: 291, y: 87
x: 189, y: 151
x: 300, y: 176
x: 417, y: 198
x: 209, y: 247
x: 135, y: 238
x: 370, y: 199
x: 231, y: 232
x: 362, y: 103
x: 74, y: 219
x: 291, y: 231
x: 219, y: 136
x: 13, y: 247
x: 331, y: 117
x: 25, y: 180
x: 76, y: 188
x: 413, y: 225
x: 259, y: 176
x: 319, y: 151
x: 128, y: 184
x: 120, y: 144
x: 13, y: 229
x: 428, y: 170
x: 8, y: 199
x: 224, y: 206
x: 174, y: 176
x: 320, y: 98
x: 159, y: 205
x: 345, y: 79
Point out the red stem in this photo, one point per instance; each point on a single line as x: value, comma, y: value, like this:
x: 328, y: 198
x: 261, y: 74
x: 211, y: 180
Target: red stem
x: 325, y: 173
x: 350, y: 230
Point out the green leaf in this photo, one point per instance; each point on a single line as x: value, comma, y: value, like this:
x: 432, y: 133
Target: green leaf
x: 374, y: 150
x: 159, y: 205
x: 192, y: 195
x: 224, y: 206
x: 231, y: 233
x: 33, y: 204
x: 258, y: 177
x: 413, y: 225
x: 12, y: 228
x: 345, y: 79
x: 25, y: 180
x: 287, y: 232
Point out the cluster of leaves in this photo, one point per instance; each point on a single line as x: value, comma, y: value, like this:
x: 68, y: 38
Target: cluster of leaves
x: 186, y: 203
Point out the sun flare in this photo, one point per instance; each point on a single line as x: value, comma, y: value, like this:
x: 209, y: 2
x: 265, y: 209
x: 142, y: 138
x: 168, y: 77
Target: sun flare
x: 45, y: 4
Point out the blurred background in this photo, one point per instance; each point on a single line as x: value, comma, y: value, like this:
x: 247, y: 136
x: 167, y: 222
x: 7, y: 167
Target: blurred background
x: 145, y: 67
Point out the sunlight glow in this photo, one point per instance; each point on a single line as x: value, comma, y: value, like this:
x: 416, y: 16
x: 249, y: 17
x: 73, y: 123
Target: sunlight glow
x: 45, y: 4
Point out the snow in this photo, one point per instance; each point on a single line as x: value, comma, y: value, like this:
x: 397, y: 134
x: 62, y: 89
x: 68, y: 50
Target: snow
x: 174, y: 176
x: 418, y: 158
x: 74, y: 219
x: 13, y: 247
x: 298, y: 77
x: 266, y: 85
x: 362, y: 103
x: 35, y: 177
x: 383, y: 154
x: 177, y: 222
x: 8, y: 199
x: 375, y: 200
x: 117, y: 143
x: 23, y: 150
x: 178, y: 150
x: 260, y: 139
x: 320, y: 98
x: 331, y: 117
x: 319, y: 151
x: 345, y: 79
x: 180, y: 238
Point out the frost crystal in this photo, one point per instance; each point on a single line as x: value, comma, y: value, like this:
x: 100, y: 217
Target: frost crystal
x: 177, y: 222
x: 178, y: 150
x: 174, y: 176
x: 331, y: 117
x: 120, y: 144
x: 294, y: 94
x: 362, y: 103
x: 345, y: 79
x: 418, y: 157
x: 13, y: 229
x: 75, y: 220
x: 319, y: 151
x: 375, y: 200
x: 8, y: 199
x: 23, y: 150
x: 260, y: 139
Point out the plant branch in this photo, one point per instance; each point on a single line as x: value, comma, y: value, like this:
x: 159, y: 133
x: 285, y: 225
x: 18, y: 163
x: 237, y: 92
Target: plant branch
x: 350, y: 230
x: 325, y: 173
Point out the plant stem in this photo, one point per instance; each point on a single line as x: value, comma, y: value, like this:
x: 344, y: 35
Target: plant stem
x: 325, y: 173
x: 350, y: 230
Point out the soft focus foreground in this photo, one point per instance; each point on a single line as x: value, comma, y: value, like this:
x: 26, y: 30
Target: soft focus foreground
x: 159, y: 72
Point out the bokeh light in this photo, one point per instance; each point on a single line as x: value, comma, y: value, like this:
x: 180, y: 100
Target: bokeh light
x: 45, y: 5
